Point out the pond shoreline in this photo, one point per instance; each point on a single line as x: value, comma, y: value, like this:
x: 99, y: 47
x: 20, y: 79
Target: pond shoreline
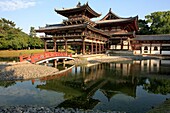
x: 89, y: 60
x: 10, y: 71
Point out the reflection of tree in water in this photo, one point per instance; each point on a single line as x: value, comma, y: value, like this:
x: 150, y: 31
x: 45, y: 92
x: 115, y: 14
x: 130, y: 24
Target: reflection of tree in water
x: 156, y: 85
x: 80, y: 103
x: 6, y: 83
x: 119, y: 86
x: 75, y: 91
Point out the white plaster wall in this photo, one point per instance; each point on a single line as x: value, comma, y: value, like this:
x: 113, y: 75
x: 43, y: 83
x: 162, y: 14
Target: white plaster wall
x: 155, y: 52
x: 165, y: 44
x: 112, y: 47
x: 136, y: 52
x: 165, y: 52
x: 118, y: 47
x: 125, y: 47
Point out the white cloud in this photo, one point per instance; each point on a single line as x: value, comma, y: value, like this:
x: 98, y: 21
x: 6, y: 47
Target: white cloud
x: 10, y: 5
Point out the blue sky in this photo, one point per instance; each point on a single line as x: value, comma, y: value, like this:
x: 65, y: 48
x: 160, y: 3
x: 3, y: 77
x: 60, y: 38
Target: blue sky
x: 27, y: 13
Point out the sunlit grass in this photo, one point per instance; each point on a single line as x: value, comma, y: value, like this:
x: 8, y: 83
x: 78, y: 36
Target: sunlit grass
x: 17, y: 53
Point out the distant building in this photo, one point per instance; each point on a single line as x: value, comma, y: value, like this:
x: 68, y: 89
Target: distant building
x: 87, y: 36
x: 151, y: 44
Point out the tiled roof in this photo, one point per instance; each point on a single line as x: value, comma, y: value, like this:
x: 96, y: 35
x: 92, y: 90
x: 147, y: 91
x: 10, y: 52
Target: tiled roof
x: 112, y: 21
x: 55, y: 27
x: 152, y: 37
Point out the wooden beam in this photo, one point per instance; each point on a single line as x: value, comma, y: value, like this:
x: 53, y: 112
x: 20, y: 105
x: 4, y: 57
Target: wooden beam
x: 54, y: 45
x: 84, y: 46
x: 92, y: 47
x: 65, y: 45
x: 96, y: 47
x: 45, y: 45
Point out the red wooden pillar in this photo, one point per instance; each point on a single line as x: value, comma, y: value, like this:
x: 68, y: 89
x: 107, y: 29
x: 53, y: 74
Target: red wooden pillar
x: 21, y: 58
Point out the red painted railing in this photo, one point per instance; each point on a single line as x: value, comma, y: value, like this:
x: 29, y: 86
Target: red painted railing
x: 41, y: 56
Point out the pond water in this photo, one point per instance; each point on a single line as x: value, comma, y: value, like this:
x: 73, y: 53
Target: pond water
x: 131, y: 86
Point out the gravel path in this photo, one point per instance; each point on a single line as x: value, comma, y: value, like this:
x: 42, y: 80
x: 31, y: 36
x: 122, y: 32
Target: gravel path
x: 25, y: 71
x: 94, y: 60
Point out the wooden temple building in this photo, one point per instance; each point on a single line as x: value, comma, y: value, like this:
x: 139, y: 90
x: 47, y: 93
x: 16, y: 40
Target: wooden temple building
x: 87, y: 36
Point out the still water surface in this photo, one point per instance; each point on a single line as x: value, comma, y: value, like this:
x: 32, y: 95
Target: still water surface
x: 133, y: 87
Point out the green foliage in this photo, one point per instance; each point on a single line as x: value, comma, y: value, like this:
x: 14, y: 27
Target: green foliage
x: 160, y: 22
x: 143, y: 27
x: 35, y: 42
x: 13, y: 38
x: 158, y: 86
x: 32, y: 32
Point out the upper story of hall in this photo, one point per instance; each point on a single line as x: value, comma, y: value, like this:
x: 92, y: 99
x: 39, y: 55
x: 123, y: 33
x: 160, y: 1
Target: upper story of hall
x: 78, y: 15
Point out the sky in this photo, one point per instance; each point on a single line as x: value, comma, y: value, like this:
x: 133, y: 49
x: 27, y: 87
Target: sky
x: 38, y: 13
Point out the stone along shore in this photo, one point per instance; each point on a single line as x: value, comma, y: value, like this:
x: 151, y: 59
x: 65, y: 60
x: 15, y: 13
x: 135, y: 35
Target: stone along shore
x: 34, y: 109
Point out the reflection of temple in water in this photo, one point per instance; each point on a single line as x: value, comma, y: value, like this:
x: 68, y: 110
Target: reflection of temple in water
x: 80, y: 85
x: 153, y: 66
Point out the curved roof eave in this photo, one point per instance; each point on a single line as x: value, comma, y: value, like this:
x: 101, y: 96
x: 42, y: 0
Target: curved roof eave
x: 113, y: 14
x: 84, y: 7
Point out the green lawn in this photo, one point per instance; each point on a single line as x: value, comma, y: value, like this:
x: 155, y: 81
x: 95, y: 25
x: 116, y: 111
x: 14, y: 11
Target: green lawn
x: 16, y: 53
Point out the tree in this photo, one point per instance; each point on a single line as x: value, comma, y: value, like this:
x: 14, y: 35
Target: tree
x: 143, y: 27
x: 35, y: 42
x: 13, y: 38
x: 159, y: 22
x: 32, y: 32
